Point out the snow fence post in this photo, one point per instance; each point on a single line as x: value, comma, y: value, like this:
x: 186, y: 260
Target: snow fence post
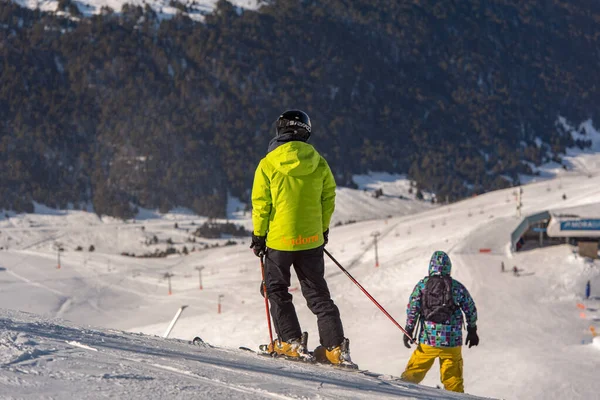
x: 375, y: 234
x: 172, y: 324
x: 168, y: 275
x: 199, y: 269
x: 219, y: 303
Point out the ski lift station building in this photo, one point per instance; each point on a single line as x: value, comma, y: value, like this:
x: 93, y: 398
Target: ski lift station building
x: 579, y: 226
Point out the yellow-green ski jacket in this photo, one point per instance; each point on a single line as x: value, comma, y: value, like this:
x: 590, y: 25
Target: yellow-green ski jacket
x: 293, y: 197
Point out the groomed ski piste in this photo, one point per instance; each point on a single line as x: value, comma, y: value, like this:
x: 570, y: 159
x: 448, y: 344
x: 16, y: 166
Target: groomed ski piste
x: 94, y: 327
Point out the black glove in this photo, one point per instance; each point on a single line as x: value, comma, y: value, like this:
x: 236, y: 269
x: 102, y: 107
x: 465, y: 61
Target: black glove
x: 326, y: 237
x: 258, y: 245
x: 472, y: 338
x: 407, y: 340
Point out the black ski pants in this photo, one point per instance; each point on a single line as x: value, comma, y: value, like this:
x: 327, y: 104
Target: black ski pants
x: 310, y: 269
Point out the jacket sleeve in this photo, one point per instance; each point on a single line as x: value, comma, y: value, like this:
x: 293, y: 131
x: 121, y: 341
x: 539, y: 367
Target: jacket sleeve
x: 467, y: 304
x: 327, y: 196
x: 261, y: 201
x: 413, y: 309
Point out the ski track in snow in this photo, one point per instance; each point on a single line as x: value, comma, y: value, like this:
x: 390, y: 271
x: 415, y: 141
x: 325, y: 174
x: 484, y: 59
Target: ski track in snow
x: 33, y: 283
x: 227, y: 385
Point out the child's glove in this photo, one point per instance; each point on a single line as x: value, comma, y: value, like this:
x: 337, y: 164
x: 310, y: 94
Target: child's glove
x: 472, y: 338
x: 407, y: 340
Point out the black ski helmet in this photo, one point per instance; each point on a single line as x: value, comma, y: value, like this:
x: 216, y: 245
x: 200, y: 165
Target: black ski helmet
x: 295, y: 121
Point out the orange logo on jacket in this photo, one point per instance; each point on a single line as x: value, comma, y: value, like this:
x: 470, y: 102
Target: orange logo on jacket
x: 299, y: 240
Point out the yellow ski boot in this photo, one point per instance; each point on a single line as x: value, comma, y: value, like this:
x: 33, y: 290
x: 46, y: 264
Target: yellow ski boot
x: 294, y: 349
x: 337, y: 355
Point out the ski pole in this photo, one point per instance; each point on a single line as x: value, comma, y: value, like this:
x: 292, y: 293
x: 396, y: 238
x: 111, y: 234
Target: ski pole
x: 369, y: 296
x: 264, y: 283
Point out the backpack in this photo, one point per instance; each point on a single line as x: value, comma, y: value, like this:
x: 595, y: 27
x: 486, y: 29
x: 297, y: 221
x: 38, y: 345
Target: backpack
x: 437, y: 303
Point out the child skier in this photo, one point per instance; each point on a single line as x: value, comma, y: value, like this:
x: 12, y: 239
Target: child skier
x: 440, y: 301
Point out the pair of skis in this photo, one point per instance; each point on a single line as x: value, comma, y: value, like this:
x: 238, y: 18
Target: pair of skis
x: 304, y: 355
x: 263, y: 352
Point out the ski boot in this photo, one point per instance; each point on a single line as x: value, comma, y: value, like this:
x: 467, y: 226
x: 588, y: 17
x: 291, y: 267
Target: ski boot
x: 294, y: 349
x: 336, y: 355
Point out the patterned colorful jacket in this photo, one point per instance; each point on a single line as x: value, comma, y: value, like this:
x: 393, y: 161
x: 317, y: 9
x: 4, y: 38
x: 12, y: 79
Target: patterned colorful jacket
x: 441, y: 335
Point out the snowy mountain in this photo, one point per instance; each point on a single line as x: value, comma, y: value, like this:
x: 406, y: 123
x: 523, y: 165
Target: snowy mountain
x: 196, y: 9
x: 536, y: 330
x: 180, y: 97
x: 59, y: 360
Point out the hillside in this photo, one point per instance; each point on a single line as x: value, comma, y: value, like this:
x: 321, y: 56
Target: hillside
x: 55, y: 359
x: 125, y: 109
x: 536, y: 340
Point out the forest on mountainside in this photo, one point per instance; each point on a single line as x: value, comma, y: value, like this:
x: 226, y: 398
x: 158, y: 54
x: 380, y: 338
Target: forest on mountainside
x: 124, y: 110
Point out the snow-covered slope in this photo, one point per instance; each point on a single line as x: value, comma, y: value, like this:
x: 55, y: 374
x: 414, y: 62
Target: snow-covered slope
x: 536, y: 329
x: 396, y: 199
x: 52, y: 359
x: 195, y: 9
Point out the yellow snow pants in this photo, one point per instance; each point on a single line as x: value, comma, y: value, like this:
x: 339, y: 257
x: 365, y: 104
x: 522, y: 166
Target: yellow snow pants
x: 451, y: 366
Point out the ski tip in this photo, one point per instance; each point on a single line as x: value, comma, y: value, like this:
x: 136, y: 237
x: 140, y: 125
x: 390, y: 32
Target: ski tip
x: 264, y: 348
x: 198, y: 341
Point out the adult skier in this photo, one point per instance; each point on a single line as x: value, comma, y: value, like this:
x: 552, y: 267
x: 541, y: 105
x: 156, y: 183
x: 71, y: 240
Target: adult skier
x: 440, y: 301
x: 293, y: 198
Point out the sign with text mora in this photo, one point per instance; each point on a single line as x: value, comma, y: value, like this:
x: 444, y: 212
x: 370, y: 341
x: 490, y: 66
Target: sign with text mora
x: 580, y: 225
